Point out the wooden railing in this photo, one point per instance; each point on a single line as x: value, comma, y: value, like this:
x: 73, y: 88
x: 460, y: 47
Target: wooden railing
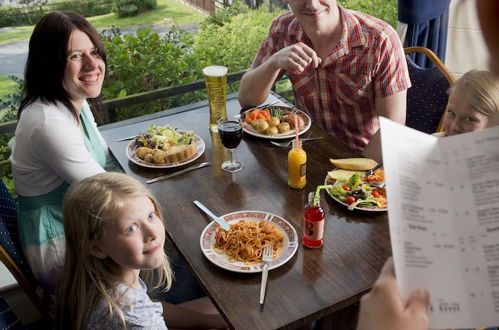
x: 111, y: 106
x: 114, y: 104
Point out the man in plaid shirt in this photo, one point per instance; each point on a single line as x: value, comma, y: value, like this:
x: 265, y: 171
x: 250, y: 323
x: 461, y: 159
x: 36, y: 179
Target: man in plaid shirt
x: 347, y: 68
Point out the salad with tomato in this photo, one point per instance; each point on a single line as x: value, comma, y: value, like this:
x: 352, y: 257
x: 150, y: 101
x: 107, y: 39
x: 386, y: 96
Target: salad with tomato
x: 358, y: 194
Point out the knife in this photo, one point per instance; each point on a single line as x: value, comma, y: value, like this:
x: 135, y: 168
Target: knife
x: 224, y: 224
x: 371, y: 171
x: 179, y: 172
x: 127, y: 138
x: 259, y: 106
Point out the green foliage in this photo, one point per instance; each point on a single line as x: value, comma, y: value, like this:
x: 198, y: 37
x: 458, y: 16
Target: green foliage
x: 5, y: 170
x: 235, y: 43
x: 223, y: 16
x: 6, y: 85
x: 147, y: 61
x: 9, y: 182
x: 126, y: 8
x: 143, y: 62
x: 383, y: 9
x: 30, y: 14
x: 10, y: 102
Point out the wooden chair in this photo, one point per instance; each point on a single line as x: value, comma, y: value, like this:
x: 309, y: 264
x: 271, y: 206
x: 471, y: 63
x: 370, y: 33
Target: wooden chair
x: 11, y: 253
x: 428, y: 96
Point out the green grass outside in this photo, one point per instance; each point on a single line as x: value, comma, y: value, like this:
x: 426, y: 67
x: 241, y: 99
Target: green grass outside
x: 167, y: 12
x: 6, y: 85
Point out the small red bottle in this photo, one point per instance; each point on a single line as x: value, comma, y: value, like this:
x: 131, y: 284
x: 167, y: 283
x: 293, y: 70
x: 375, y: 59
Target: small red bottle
x: 313, y: 223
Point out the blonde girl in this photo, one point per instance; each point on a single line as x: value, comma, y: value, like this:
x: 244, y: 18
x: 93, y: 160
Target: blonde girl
x: 473, y: 103
x: 114, y: 242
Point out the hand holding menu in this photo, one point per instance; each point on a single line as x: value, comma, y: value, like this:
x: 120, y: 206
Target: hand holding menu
x: 443, y: 197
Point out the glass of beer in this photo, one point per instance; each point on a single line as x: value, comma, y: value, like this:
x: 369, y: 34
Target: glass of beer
x: 216, y: 85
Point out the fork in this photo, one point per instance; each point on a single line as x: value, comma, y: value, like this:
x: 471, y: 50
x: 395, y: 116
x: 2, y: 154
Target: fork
x: 266, y: 258
x: 288, y: 143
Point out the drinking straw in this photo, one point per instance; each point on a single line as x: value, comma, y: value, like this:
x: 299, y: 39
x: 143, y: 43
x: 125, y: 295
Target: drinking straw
x: 296, y: 131
x: 317, y: 192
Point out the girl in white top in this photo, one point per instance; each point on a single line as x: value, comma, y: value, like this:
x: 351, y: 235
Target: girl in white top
x: 473, y: 103
x: 57, y: 142
x: 114, y: 242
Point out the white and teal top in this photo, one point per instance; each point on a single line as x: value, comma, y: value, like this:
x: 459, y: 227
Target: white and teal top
x: 51, y: 151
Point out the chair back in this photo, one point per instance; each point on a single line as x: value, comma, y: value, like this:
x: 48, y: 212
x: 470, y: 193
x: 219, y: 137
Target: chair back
x: 428, y: 96
x: 10, y: 250
x: 8, y: 319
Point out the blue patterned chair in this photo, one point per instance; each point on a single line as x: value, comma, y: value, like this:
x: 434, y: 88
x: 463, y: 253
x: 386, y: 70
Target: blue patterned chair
x: 11, y: 253
x: 8, y: 319
x: 427, y: 98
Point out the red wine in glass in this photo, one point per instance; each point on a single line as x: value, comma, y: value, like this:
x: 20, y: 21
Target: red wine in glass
x: 231, y: 133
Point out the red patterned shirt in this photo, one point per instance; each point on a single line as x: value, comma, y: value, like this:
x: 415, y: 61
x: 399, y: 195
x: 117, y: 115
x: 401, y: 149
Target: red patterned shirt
x: 367, y: 63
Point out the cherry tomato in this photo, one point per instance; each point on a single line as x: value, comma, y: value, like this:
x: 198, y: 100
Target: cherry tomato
x: 346, y: 188
x: 350, y: 200
x: 375, y: 194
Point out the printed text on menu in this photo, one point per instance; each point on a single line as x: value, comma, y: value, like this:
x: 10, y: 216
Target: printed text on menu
x: 444, y: 221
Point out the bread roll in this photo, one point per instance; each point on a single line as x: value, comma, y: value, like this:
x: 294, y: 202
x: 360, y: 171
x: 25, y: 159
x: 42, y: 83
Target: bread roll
x: 356, y: 164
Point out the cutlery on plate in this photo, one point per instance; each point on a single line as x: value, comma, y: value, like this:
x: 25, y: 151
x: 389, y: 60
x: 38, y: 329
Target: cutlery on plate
x: 171, y: 175
x: 224, y: 224
x: 127, y: 138
x: 288, y: 143
x: 371, y: 171
x: 260, y: 106
x: 266, y: 258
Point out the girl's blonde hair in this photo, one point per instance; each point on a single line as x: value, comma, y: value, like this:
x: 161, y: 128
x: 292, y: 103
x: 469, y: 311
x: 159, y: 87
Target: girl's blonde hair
x: 87, y: 280
x: 480, y: 89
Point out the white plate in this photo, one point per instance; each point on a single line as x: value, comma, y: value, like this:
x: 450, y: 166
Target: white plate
x: 307, y: 122
x: 287, y: 251
x: 130, y: 152
x: 327, y: 180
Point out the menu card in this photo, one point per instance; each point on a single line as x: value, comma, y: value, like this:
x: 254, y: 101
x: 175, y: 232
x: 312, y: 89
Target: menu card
x: 443, y: 209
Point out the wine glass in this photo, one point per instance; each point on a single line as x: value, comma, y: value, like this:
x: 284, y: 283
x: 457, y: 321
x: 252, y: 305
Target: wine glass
x: 231, y: 133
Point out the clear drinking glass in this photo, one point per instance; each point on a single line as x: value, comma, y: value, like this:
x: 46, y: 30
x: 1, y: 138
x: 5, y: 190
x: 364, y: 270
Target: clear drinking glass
x: 216, y: 85
x: 231, y: 133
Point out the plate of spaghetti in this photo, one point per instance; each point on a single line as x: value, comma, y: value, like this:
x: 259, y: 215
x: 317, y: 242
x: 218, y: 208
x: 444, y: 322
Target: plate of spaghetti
x: 240, y: 249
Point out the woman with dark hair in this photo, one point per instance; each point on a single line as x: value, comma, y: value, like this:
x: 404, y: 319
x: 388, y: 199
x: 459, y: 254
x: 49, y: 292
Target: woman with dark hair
x: 57, y: 142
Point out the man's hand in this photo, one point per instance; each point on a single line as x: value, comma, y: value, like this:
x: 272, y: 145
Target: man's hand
x: 384, y: 309
x: 256, y: 83
x: 296, y: 57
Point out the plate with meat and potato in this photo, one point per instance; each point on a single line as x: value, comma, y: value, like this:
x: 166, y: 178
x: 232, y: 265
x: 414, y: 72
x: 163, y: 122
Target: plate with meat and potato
x: 274, y: 122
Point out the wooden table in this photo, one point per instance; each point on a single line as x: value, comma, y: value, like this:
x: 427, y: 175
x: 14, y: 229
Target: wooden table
x: 315, y: 282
